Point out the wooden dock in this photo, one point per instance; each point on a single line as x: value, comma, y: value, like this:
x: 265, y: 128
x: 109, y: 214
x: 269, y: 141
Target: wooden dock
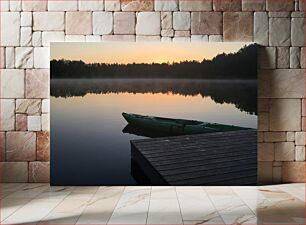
x: 225, y: 158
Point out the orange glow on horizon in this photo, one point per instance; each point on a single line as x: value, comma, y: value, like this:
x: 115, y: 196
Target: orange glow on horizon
x: 129, y: 52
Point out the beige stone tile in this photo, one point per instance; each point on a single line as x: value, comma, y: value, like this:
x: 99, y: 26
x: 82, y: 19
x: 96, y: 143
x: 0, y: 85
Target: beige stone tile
x: 182, y: 33
x: 267, y: 58
x: 260, y: 136
x: 124, y: 22
x: 215, y: 38
x: 34, y: 123
x: 300, y: 153
x: 253, y: 5
x: 281, y: 83
x: 45, y: 122
x: 92, y: 38
x: 203, y: 5
x: 2, y: 57
x: 166, y: 39
x: 170, y: 5
x: 12, y: 83
x: 284, y: 151
x: 24, y: 57
x: 52, y: 36
x: 48, y: 21
x: 78, y: 23
x: 261, y: 28
x: 43, y: 146
x: 167, y: 33
x: 125, y: 38
x: 20, y: 146
x: 143, y: 38
x: 75, y: 38
x: 283, y: 57
x: 91, y: 5
x: 41, y: 57
x: 293, y: 172
x: 2, y: 147
x: 34, y: 5
x: 26, y: 19
x: 37, y: 83
x: 39, y: 172
x: 181, y: 21
x: 279, y: 32
x: 300, y: 138
x: 206, y: 23
x: 230, y: 5
x: 297, y: 32
x: 273, y: 5
x: 263, y: 121
x: 5, y: 5
x: 277, y: 174
x: 37, y: 38
x: 265, y: 152
x: 62, y: 5
x: 166, y: 20
x: 7, y: 114
x: 10, y: 28
x: 264, y: 172
x: 112, y: 5
x: 46, y: 106
x: 290, y: 136
x: 137, y: 5
x: 199, y: 38
x: 21, y: 122
x: 148, y: 23
x: 28, y: 106
x: 25, y: 36
x: 181, y: 39
x: 10, y: 57
x: 275, y: 136
x: 102, y: 23
x: 295, y: 57
x: 263, y: 105
x: 285, y: 115
x: 14, y: 171
x: 238, y: 26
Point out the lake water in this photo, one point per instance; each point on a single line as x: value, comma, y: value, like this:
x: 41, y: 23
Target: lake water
x: 88, y: 146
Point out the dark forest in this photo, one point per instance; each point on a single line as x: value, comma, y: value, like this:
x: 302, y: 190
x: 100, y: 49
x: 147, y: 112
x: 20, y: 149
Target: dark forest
x: 239, y: 65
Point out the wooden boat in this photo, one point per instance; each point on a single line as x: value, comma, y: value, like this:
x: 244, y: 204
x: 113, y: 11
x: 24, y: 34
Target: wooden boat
x: 177, y: 126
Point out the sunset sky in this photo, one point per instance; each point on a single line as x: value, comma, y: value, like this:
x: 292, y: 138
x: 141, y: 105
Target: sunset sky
x: 129, y: 52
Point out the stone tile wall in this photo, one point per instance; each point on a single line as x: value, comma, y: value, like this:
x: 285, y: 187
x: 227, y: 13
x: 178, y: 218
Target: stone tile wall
x: 28, y: 27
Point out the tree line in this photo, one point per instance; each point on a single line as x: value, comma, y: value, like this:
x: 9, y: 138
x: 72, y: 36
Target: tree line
x: 239, y: 65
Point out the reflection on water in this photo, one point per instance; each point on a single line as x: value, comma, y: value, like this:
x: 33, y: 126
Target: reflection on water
x: 90, y: 140
x: 242, y: 93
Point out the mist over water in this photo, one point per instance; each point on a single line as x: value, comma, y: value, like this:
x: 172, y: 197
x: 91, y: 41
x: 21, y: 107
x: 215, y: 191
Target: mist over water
x: 86, y: 122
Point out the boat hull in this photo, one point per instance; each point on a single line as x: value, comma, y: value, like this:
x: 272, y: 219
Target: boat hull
x: 177, y: 126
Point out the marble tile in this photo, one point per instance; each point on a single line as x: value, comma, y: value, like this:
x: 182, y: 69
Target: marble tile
x: 2, y: 146
x: 41, y: 207
x: 132, y: 207
x: 68, y: 211
x: 39, y: 172
x: 20, y: 146
x: 164, y: 207
x: 14, y: 172
x: 29, y: 191
x: 37, y: 83
x: 21, y: 122
x: 195, y: 204
x: 9, y: 206
x: 28, y: 106
x: 7, y: 114
x: 137, y: 5
x: 100, y: 208
x: 43, y: 146
x: 12, y: 83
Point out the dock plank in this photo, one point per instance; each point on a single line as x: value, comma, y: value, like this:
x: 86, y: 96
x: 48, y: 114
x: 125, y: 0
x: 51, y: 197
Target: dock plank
x: 224, y: 158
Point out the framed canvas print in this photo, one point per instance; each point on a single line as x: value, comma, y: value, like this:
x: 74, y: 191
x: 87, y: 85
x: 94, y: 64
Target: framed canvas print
x: 153, y: 114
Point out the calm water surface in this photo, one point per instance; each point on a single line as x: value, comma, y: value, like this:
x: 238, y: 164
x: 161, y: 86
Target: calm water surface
x: 87, y: 141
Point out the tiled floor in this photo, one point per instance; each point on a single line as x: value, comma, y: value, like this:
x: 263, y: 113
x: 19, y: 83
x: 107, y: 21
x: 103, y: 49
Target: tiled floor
x: 42, y: 204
